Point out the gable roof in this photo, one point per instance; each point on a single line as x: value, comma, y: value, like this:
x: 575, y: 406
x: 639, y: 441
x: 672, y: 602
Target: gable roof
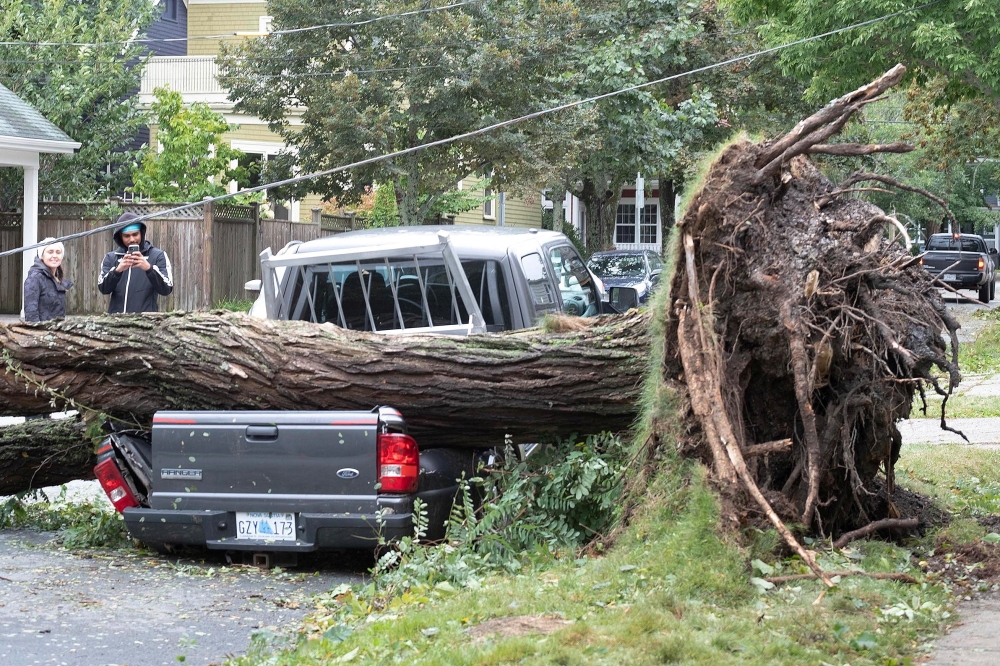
x: 22, y: 127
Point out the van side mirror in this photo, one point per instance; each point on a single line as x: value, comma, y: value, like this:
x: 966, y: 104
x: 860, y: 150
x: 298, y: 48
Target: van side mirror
x: 252, y: 285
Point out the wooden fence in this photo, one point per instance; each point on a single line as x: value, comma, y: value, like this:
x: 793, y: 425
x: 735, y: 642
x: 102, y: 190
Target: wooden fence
x: 213, y: 249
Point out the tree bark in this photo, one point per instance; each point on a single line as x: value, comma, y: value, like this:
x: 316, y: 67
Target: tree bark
x: 452, y: 391
x: 44, y: 452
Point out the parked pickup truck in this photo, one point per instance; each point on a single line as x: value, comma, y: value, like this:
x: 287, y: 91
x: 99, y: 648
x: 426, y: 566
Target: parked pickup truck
x: 962, y: 261
x: 271, y: 484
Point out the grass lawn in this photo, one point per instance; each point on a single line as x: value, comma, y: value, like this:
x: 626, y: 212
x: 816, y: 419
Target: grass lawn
x: 672, y: 590
x: 980, y: 357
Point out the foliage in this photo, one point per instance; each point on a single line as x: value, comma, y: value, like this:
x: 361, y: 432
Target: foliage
x: 79, y: 524
x: 235, y: 304
x: 86, y: 91
x: 953, y: 38
x: 384, y: 212
x: 555, y: 499
x: 643, y: 131
x: 381, y: 86
x: 194, y: 162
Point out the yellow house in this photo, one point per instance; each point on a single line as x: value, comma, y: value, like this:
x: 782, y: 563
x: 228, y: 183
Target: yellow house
x: 195, y: 75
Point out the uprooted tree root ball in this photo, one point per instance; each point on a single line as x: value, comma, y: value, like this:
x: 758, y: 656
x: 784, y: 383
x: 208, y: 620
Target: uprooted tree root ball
x: 803, y: 331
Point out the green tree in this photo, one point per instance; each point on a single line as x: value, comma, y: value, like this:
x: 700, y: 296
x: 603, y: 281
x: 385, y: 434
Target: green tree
x: 194, y: 162
x: 384, y: 212
x: 953, y: 38
x: 87, y: 91
x: 643, y: 131
x: 386, y: 85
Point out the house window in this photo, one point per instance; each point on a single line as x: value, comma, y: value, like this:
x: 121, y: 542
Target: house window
x: 264, y: 24
x: 252, y: 164
x: 489, y: 207
x: 625, y: 224
x: 647, y: 224
x: 170, y: 10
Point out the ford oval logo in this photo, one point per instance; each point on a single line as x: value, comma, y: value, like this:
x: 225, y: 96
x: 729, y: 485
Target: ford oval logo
x: 347, y: 473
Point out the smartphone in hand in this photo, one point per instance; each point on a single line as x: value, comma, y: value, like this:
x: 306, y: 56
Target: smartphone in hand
x: 133, y: 249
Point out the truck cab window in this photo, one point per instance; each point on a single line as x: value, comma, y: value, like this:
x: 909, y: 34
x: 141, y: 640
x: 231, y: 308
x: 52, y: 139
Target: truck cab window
x: 538, y: 282
x: 576, y: 288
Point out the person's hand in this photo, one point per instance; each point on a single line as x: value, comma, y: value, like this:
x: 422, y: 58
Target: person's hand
x: 141, y: 262
x: 127, y: 262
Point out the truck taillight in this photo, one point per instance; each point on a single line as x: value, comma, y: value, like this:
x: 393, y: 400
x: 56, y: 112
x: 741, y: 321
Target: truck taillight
x: 982, y: 264
x: 921, y: 261
x: 114, y: 485
x: 398, y: 463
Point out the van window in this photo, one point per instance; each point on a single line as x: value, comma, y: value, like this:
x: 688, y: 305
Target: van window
x: 576, y: 288
x: 538, y: 281
x: 396, y: 294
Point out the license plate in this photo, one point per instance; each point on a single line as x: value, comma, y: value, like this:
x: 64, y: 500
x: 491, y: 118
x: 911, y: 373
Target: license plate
x: 269, y: 526
x: 950, y: 277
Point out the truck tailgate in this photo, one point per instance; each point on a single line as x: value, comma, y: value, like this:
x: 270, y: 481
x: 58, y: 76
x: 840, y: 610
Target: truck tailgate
x: 939, y: 261
x: 322, y: 462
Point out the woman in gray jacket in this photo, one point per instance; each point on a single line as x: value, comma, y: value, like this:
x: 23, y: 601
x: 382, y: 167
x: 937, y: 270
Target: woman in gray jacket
x: 45, y: 288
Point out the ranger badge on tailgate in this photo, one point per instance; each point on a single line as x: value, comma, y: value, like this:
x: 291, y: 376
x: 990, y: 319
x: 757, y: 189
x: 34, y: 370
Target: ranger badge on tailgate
x: 185, y: 474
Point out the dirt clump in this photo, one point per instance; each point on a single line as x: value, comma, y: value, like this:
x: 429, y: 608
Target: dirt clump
x: 519, y: 625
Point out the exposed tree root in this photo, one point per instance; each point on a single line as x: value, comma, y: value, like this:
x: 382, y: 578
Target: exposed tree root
x: 803, y: 333
x: 884, y: 524
x: 901, y: 577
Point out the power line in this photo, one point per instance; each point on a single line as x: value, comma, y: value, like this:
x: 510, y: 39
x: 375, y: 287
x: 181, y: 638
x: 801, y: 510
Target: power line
x: 289, y: 31
x: 483, y: 130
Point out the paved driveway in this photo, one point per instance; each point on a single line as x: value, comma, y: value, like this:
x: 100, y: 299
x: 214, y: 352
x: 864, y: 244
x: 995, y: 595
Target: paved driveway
x: 121, y: 607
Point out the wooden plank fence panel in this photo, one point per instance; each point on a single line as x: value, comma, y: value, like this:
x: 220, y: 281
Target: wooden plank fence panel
x: 237, y: 232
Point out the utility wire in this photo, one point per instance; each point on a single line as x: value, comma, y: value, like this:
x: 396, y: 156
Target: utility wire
x: 289, y: 31
x: 467, y: 135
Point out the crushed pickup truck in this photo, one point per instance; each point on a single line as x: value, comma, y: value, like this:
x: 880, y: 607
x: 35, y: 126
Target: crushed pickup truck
x: 271, y: 484
x: 962, y: 261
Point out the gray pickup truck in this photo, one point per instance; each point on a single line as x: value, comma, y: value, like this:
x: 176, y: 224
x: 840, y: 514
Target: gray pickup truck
x: 962, y: 261
x: 268, y: 485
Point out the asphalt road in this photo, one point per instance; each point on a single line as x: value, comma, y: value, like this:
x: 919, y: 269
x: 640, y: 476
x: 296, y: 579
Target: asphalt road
x: 121, y: 607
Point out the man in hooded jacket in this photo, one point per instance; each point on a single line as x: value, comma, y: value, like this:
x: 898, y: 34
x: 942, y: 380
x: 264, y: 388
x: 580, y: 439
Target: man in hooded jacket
x: 134, y: 280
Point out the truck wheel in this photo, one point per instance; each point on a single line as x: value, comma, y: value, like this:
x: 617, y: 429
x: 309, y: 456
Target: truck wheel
x: 993, y: 289
x: 984, y: 293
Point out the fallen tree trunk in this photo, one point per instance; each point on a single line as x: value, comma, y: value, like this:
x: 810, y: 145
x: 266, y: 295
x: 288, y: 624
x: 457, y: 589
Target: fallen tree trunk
x: 452, y: 391
x: 44, y: 452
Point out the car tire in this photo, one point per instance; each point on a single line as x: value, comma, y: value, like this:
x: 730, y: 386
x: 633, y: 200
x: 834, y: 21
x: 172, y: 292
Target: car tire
x: 993, y: 289
x: 984, y: 292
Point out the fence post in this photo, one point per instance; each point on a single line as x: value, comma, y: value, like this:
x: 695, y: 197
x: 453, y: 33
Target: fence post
x: 208, y: 225
x: 351, y: 219
x: 317, y: 216
x: 258, y: 240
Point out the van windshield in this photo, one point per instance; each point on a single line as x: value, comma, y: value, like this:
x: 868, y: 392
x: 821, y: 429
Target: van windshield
x: 395, y: 294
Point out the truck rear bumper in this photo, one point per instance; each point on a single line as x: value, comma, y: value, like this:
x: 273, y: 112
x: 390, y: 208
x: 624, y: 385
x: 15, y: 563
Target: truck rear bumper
x: 963, y: 280
x: 217, y: 529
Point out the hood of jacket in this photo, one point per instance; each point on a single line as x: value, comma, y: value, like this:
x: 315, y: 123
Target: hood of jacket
x: 39, y: 268
x: 125, y: 220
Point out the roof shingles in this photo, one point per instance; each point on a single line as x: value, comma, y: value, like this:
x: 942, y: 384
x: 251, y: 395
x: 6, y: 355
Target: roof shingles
x: 20, y: 120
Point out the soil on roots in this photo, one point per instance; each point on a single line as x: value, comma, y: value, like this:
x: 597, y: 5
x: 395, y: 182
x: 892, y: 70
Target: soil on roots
x: 824, y: 329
